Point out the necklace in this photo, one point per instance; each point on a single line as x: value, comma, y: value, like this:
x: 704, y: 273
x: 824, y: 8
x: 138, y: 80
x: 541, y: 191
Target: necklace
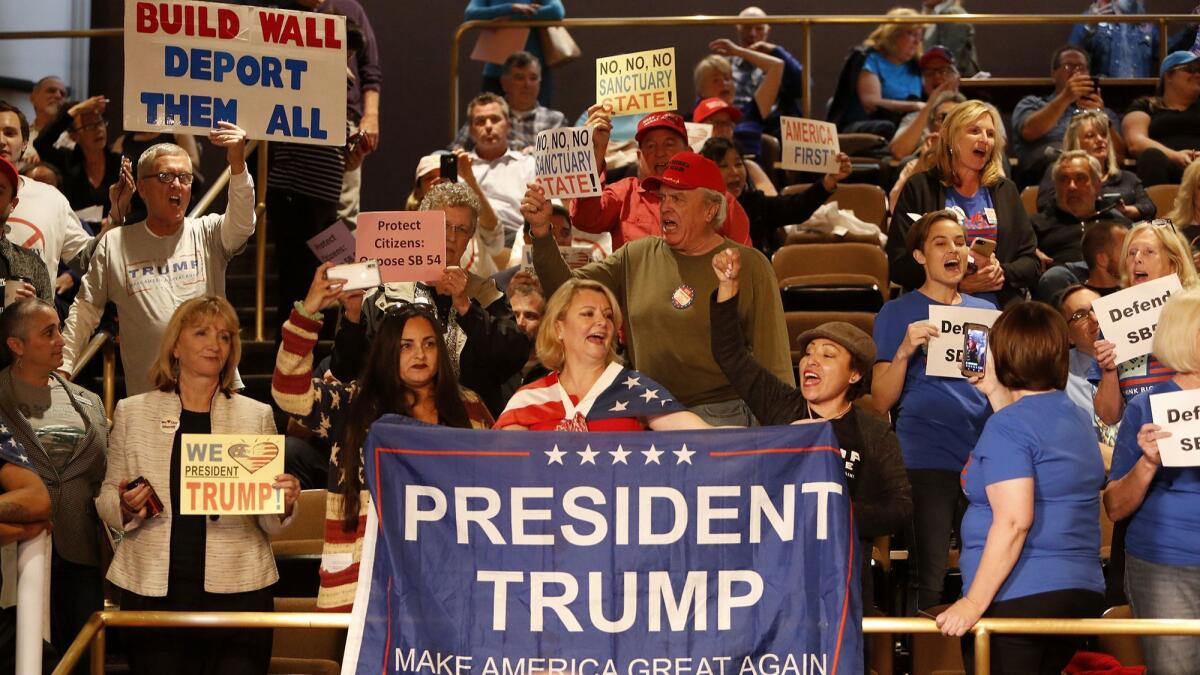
x: 837, y: 416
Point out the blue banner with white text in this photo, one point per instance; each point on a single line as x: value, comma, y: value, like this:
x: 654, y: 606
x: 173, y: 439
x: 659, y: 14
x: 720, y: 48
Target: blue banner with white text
x: 724, y: 552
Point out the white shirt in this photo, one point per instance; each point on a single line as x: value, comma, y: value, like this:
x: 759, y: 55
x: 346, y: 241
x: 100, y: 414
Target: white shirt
x: 44, y: 222
x: 504, y: 181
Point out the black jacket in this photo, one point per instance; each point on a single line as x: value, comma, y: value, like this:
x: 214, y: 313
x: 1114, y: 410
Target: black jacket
x: 767, y: 214
x: 1060, y: 234
x: 1015, y: 246
x: 1125, y: 184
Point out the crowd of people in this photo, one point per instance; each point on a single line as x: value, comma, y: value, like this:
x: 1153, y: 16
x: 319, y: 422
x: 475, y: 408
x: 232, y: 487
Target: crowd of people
x: 678, y: 298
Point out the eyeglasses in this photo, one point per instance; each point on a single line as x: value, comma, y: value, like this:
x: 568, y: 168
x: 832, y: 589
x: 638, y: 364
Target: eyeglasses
x: 98, y: 124
x: 1088, y: 112
x: 1081, y: 314
x: 1073, y: 67
x: 458, y: 231
x: 166, y: 177
x: 406, y: 309
x: 1164, y: 222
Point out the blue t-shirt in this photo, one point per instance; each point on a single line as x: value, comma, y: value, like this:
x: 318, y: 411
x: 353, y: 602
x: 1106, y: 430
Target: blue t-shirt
x: 1137, y: 375
x: 940, y: 418
x: 1166, y: 527
x: 978, y: 210
x: 1045, y: 437
x: 898, y: 81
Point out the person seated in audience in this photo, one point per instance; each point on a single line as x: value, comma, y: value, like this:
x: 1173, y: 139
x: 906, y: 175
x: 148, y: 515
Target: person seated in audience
x: 957, y: 38
x: 485, y: 345
x: 479, y: 256
x: 1102, y: 246
x: 723, y: 116
x: 768, y: 213
x: 628, y: 209
x: 923, y: 159
x: 1118, y: 49
x: 1075, y: 305
x: 1060, y: 228
x: 499, y: 171
x: 939, y: 77
x: 835, y: 370
x: 1040, y: 122
x: 565, y: 235
x: 529, y: 306
x: 748, y: 77
x: 19, y: 265
x: 1163, y: 131
x: 544, y: 10
x: 889, y: 84
x: 521, y: 81
x: 199, y: 563
x: 24, y: 513
x: 132, y: 266
x: 88, y: 167
x: 967, y: 174
x: 939, y: 418
x: 588, y: 389
x: 1031, y: 534
x: 1151, y: 250
x: 1090, y: 131
x: 714, y: 79
x: 407, y: 370
x: 1160, y: 502
x: 64, y: 430
x: 661, y: 283
x: 1186, y: 211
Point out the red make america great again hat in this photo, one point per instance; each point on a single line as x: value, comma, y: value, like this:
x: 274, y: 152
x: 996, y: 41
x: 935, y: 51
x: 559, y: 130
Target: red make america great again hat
x: 688, y: 171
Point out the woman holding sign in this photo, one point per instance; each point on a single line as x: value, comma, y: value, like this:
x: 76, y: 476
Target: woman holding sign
x: 169, y: 561
x: 1162, y: 543
x: 939, y: 418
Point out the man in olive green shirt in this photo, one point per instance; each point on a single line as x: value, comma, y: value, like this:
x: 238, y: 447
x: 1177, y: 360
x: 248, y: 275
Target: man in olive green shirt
x: 663, y: 285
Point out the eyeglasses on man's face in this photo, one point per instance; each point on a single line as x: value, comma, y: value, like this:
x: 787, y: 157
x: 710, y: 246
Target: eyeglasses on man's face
x: 167, y: 177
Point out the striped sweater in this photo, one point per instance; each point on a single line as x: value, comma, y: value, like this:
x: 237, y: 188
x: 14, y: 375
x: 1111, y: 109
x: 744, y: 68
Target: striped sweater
x: 321, y: 407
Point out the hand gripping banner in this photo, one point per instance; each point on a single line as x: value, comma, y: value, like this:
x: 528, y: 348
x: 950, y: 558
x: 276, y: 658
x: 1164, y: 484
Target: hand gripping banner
x: 728, y: 552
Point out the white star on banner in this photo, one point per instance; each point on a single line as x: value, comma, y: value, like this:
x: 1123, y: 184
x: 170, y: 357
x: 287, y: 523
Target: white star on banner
x: 631, y: 382
x: 587, y: 456
x: 24, y: 458
x: 683, y: 455
x: 652, y: 455
x: 650, y: 393
x: 555, y: 456
x: 619, y: 406
x: 619, y: 455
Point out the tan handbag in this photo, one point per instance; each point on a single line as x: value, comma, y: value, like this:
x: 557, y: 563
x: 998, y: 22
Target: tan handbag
x: 558, y: 47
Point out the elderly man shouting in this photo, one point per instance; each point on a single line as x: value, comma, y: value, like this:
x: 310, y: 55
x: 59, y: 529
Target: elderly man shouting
x: 663, y: 283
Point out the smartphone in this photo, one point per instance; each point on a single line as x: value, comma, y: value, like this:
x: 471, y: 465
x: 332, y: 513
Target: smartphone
x: 975, y: 345
x: 357, y: 275
x: 449, y: 168
x: 154, y: 505
x: 1095, y: 83
x: 984, y: 247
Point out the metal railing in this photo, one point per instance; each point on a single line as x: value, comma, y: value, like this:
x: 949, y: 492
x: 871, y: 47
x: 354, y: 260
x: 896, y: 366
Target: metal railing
x: 806, y: 24
x: 93, y: 636
x: 102, y: 342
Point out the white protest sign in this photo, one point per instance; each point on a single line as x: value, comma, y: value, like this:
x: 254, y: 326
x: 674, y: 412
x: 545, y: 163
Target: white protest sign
x: 1128, y: 318
x: 1179, y: 413
x: 280, y: 75
x: 565, y: 160
x: 333, y: 244
x: 945, y: 352
x: 809, y: 145
x: 641, y: 82
x: 698, y: 132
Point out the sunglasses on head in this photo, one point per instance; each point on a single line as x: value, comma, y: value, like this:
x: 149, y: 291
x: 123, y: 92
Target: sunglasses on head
x: 1164, y: 222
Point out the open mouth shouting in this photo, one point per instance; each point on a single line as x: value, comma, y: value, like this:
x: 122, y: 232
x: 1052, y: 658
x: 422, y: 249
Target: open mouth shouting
x: 598, y: 337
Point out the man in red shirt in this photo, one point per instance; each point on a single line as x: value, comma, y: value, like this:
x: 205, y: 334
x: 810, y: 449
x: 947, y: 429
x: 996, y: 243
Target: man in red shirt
x: 625, y: 208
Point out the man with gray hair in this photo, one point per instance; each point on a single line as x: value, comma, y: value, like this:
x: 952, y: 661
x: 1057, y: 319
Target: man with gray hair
x: 148, y: 269
x: 747, y: 77
x: 521, y: 81
x: 663, y: 284
x: 501, y: 171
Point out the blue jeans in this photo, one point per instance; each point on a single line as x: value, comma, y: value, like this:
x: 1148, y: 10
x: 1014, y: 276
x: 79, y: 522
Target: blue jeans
x: 1165, y: 592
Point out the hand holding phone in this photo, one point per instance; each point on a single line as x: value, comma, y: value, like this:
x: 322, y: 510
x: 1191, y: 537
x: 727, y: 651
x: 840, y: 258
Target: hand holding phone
x: 449, y: 168
x: 975, y: 346
x: 152, y: 503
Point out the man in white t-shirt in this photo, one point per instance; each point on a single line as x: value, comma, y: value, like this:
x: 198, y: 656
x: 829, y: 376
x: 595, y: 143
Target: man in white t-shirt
x: 148, y: 269
x: 502, y: 173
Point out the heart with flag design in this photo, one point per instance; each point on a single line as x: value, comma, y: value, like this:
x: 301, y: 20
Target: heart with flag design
x: 255, y: 456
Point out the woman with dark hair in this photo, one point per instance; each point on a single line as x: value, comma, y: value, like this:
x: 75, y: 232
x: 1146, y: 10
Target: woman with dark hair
x: 768, y: 213
x: 407, y: 371
x: 1031, y: 534
x: 1163, y: 131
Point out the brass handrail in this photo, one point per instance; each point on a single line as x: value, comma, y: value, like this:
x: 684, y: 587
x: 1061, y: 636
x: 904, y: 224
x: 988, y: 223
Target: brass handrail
x: 102, y: 342
x: 93, y: 347
x: 806, y: 23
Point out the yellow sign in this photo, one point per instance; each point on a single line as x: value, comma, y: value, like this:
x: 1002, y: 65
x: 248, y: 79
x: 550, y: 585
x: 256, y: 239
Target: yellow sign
x: 230, y: 474
x: 642, y: 82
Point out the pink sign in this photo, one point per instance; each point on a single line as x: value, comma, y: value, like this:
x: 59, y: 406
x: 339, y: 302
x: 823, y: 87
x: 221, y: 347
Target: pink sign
x: 409, y: 245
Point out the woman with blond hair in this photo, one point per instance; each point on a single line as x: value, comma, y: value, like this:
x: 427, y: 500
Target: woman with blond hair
x: 889, y: 84
x: 1091, y: 131
x: 169, y: 561
x: 1186, y: 212
x: 967, y: 176
x: 589, y: 389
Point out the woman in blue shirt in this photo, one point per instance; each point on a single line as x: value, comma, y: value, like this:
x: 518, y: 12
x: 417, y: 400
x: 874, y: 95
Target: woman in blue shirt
x: 539, y: 10
x: 1162, y: 544
x: 1031, y: 534
x: 939, y: 418
x: 889, y: 84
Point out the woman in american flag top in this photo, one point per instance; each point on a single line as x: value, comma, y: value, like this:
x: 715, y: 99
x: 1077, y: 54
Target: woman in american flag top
x: 589, y: 389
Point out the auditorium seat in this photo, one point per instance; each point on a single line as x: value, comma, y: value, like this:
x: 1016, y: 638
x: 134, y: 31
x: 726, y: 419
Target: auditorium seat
x: 1029, y: 199
x: 934, y: 654
x: 768, y: 157
x: 845, y: 269
x: 306, y: 533
x: 1163, y: 197
x: 1125, y: 648
x: 867, y: 201
x: 305, y: 651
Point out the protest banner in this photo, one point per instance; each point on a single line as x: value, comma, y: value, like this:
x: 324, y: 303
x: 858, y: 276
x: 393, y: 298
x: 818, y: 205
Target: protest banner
x: 565, y: 161
x: 729, y: 552
x: 945, y: 352
x: 333, y: 244
x: 698, y: 133
x: 641, y: 82
x: 278, y: 74
x: 1179, y: 413
x: 230, y: 474
x: 1128, y: 317
x: 809, y: 145
x: 409, y: 245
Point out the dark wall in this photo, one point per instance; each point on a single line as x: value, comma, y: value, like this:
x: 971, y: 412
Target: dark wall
x: 414, y: 40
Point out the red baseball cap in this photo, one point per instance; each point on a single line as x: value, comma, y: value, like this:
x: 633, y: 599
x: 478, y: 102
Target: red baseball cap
x: 688, y: 171
x: 711, y: 106
x: 7, y: 169
x: 661, y: 120
x: 934, y: 54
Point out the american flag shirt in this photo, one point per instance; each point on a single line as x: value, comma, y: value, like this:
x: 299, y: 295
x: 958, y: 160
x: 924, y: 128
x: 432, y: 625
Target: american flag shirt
x: 621, y: 400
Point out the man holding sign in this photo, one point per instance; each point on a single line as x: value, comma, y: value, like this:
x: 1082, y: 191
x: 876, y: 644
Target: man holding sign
x: 1155, y: 484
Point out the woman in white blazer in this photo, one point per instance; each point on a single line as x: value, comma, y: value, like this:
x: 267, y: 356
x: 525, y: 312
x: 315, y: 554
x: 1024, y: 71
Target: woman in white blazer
x: 193, y: 563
